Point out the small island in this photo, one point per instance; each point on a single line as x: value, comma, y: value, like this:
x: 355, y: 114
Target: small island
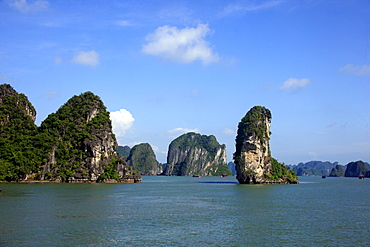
x: 252, y: 158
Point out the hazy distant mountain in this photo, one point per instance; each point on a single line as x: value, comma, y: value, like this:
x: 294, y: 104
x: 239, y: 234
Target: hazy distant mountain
x: 124, y: 151
x: 314, y: 168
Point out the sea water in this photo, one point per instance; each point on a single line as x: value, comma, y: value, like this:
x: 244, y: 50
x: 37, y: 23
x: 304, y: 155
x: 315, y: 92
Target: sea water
x: 187, y: 211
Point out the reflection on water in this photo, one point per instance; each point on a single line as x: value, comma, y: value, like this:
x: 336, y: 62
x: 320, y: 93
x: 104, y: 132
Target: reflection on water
x: 186, y: 211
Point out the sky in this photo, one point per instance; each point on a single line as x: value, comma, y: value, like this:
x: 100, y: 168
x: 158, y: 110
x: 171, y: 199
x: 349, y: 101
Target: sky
x: 164, y: 68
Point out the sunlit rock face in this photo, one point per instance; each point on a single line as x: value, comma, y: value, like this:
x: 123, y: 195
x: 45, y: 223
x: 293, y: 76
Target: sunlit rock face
x: 252, y: 157
x: 193, y: 153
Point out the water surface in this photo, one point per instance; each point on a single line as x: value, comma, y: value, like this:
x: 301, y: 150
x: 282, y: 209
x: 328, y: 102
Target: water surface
x: 186, y: 211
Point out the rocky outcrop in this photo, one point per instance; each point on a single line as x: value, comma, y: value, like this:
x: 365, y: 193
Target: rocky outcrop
x: 337, y: 171
x: 198, y: 154
x: 84, y: 143
x: 252, y: 157
x: 18, y: 103
x: 75, y: 144
x: 142, y: 159
x: 355, y: 169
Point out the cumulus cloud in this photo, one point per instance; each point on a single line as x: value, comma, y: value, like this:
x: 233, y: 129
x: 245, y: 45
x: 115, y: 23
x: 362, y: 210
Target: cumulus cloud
x: 90, y: 58
x: 24, y: 7
x: 182, y: 130
x: 242, y: 8
x: 181, y: 45
x: 294, y: 83
x: 122, y: 121
x: 357, y: 70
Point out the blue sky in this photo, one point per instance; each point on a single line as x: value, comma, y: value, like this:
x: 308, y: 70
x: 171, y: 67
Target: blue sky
x: 163, y: 68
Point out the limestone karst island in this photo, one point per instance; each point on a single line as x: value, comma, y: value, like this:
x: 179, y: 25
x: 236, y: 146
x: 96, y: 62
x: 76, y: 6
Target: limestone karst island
x: 254, y: 164
x: 77, y: 144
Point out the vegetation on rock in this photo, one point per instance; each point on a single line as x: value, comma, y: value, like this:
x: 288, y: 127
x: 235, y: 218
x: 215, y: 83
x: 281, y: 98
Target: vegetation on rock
x: 124, y: 151
x: 337, y: 171
x: 143, y: 160
x: 74, y: 143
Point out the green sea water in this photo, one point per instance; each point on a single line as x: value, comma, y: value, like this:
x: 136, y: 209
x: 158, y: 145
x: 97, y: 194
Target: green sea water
x: 187, y: 211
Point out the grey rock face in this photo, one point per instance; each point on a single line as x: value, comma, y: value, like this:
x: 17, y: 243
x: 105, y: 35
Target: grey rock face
x: 252, y: 157
x: 193, y: 153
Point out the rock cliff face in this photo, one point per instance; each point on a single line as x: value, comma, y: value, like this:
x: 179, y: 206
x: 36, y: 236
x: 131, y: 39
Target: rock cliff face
x: 252, y: 156
x: 143, y: 160
x: 355, y: 169
x: 193, y: 153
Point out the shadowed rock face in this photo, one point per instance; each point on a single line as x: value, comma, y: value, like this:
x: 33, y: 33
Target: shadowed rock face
x: 252, y: 156
x: 193, y: 153
x: 355, y: 169
x: 142, y: 159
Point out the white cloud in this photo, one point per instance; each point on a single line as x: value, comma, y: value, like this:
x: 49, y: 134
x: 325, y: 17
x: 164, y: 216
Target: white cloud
x: 124, y: 23
x: 357, y: 70
x: 228, y: 131
x: 181, y: 45
x: 24, y: 7
x: 182, y: 130
x: 90, y: 58
x: 240, y: 8
x: 294, y: 83
x: 122, y: 121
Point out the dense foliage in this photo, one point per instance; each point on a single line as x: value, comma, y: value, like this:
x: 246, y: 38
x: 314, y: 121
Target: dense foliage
x: 18, y: 152
x: 280, y: 171
x: 143, y: 160
x: 82, y: 119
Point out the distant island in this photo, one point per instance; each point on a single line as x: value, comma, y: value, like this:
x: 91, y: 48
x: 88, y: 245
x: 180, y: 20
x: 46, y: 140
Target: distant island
x: 143, y: 160
x: 196, y: 154
x: 320, y: 168
x: 75, y: 144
